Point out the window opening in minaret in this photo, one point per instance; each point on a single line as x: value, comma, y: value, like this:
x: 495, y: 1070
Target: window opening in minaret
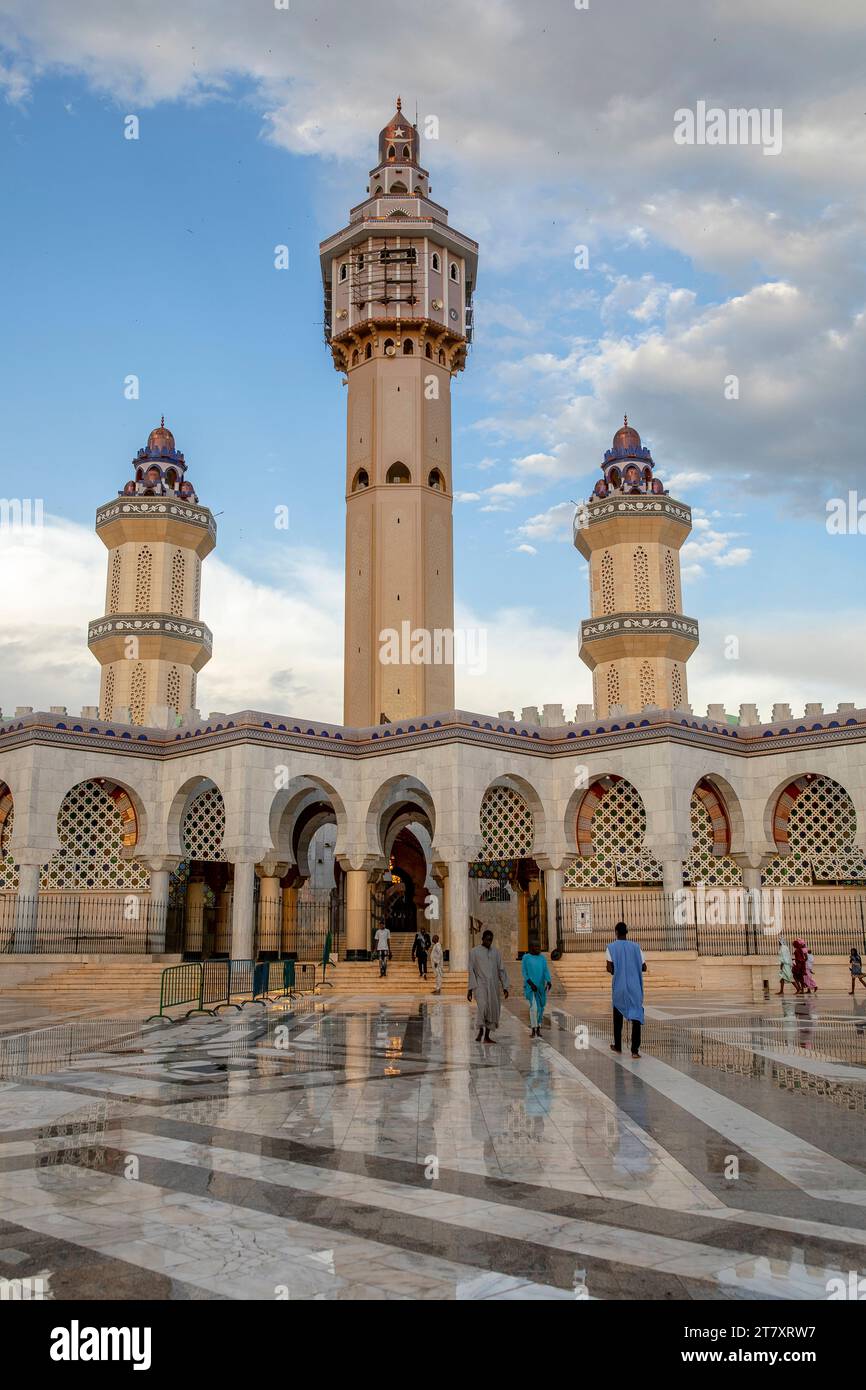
x: 172, y: 691
x: 368, y: 351
x: 116, y: 563
x: 108, y: 704
x: 647, y: 685
x: 677, y: 687
x: 178, y: 570
x: 136, y: 694
x: 142, y: 580
x: 608, y: 595
x: 641, y: 580
x: 408, y: 347
x: 670, y: 582
x: 392, y: 153
x: 434, y: 263
x: 361, y: 480
x: 612, y: 686
x: 455, y: 273
x: 344, y: 271
x: 398, y: 473
x: 428, y: 351
x: 436, y: 480
x: 441, y: 358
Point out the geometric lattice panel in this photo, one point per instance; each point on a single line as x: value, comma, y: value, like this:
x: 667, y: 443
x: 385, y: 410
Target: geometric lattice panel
x: 618, y: 830
x: 94, y: 824
x: 203, y: 827
x: 702, y: 865
x: 821, y: 825
x: 8, y: 871
x: 506, y: 825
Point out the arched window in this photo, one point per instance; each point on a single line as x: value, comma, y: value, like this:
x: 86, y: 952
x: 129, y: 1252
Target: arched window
x: 408, y: 347
x: 355, y: 358
x: 441, y: 358
x: 170, y: 479
x: 368, y: 350
x: 428, y: 351
x: 399, y: 187
x: 398, y: 473
x: 378, y: 188
x: 436, y: 480
x: 455, y: 273
x: 389, y: 347
x: 360, y: 480
x: 344, y: 271
x: 360, y: 260
x: 407, y: 153
x: 392, y: 153
x: 435, y: 263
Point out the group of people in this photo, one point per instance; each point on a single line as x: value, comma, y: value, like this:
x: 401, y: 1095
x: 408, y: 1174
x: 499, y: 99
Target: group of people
x: 797, y: 969
x: 487, y: 975
x: 425, y: 949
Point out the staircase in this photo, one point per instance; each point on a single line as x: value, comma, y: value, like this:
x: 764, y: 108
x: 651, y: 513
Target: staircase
x: 121, y: 984
x: 362, y: 977
x: 577, y: 971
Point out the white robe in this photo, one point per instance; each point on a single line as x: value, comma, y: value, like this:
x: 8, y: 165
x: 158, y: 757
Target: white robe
x: 486, y: 973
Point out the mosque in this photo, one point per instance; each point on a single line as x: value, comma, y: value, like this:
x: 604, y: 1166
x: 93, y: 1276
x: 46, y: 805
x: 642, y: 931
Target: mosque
x: 141, y: 826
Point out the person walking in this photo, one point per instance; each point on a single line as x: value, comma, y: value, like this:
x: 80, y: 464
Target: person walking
x: 625, y: 962
x: 786, y: 974
x: 799, y: 967
x: 537, y: 984
x: 437, y: 960
x: 486, y: 974
x: 855, y: 965
x: 809, y: 980
x: 383, y: 949
x: 420, y: 947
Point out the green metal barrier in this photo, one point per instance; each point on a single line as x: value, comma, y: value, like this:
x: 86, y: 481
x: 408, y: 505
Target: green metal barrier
x: 179, y: 984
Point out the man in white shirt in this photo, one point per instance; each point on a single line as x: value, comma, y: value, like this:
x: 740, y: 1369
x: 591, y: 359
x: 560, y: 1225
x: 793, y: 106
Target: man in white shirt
x: 436, y: 960
x: 383, y: 949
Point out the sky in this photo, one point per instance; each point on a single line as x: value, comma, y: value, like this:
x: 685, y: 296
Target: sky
x: 257, y: 127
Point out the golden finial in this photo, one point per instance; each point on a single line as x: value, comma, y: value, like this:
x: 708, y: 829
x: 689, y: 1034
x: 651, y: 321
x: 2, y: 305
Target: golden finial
x: 399, y: 104
x: 625, y: 419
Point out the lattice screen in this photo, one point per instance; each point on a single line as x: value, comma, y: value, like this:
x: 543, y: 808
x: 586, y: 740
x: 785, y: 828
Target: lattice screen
x: 618, y: 829
x: 670, y: 583
x: 821, y: 830
x: 608, y: 593
x: 641, y: 580
x: 178, y: 571
x: 702, y: 866
x: 8, y: 871
x: 506, y: 825
x: 93, y: 829
x: 204, y: 824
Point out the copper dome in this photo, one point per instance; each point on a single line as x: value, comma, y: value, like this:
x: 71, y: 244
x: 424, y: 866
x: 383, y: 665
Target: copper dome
x: 626, y: 437
x: 161, y: 440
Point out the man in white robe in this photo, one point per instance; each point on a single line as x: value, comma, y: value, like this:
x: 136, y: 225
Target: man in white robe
x: 486, y: 974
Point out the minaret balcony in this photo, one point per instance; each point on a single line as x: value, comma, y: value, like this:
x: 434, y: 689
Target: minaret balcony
x: 159, y: 637
x: 618, y: 635
x: 167, y: 519
x: 630, y: 517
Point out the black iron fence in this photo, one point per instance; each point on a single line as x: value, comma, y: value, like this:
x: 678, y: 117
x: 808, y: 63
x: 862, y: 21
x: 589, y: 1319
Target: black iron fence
x: 82, y: 924
x: 715, y: 922
x: 298, y: 930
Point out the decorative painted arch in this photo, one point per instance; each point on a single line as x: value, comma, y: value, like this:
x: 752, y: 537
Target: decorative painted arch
x: 611, y: 828
x: 96, y: 822
x: 292, y: 804
x: 715, y: 808
x: 8, y: 871
x: 814, y: 825
x: 398, y: 796
x: 709, y: 860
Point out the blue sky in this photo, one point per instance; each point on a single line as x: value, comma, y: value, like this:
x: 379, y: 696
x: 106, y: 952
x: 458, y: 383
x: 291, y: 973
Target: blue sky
x: 155, y: 257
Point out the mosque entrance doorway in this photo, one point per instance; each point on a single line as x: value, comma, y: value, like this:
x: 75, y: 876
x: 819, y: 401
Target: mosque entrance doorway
x: 200, y: 911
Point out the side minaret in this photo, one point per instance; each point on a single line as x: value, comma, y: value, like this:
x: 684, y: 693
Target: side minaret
x: 398, y: 285
x: 637, y: 641
x: 150, y: 643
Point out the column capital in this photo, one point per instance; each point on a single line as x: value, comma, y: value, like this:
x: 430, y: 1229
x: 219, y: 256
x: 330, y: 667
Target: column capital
x: 454, y: 854
x: 272, y: 868
x: 359, y: 859
x: 556, y: 861
x: 29, y: 858
x: 162, y: 863
x: 752, y: 857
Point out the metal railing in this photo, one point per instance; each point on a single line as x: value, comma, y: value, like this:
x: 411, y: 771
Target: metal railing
x: 208, y: 986
x: 82, y: 924
x: 298, y: 930
x: 718, y: 922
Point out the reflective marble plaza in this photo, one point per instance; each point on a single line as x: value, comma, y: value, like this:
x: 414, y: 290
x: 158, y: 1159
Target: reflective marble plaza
x: 356, y: 1147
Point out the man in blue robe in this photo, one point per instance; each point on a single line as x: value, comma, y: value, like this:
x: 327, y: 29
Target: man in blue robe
x: 625, y: 962
x: 536, y: 985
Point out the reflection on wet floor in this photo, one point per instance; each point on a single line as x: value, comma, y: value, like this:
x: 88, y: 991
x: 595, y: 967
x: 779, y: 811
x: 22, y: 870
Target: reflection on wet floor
x: 196, y: 1156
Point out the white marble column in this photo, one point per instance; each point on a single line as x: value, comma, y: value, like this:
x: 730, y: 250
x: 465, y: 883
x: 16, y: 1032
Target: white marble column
x: 357, y: 920
x: 160, y: 870
x: 27, y: 908
x: 552, y: 892
x: 242, y: 910
x: 457, y: 893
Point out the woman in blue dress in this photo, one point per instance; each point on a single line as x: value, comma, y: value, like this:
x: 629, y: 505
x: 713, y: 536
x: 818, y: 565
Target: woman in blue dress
x: 536, y: 986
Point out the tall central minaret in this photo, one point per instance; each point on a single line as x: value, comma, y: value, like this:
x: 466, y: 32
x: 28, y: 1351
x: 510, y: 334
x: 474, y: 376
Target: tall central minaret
x: 398, y: 285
